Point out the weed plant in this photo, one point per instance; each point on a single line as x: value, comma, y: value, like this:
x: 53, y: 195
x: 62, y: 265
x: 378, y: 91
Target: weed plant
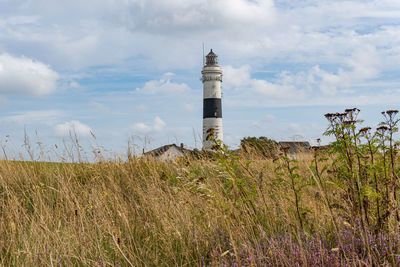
x: 329, y: 207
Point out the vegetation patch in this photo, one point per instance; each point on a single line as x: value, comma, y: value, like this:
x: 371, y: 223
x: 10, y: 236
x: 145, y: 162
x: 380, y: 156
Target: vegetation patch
x: 337, y: 207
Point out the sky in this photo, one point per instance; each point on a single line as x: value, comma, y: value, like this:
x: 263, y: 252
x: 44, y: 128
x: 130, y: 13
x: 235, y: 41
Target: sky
x: 121, y: 73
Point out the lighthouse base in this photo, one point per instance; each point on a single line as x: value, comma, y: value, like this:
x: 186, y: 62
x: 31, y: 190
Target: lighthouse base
x: 216, y: 124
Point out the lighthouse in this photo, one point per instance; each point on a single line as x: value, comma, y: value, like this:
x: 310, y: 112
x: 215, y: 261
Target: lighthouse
x: 212, y: 108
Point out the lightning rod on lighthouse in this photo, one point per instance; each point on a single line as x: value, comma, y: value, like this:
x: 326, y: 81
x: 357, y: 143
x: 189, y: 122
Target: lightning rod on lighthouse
x: 212, y: 106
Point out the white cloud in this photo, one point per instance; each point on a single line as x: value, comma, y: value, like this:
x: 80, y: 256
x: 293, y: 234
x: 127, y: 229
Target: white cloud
x: 71, y: 128
x: 100, y: 107
x: 142, y: 107
x: 141, y: 128
x: 157, y: 126
x: 177, y: 16
x: 364, y: 65
x: 294, y: 128
x: 47, y: 117
x: 277, y: 91
x: 166, y: 34
x: 269, y: 118
x: 256, y: 124
x: 236, y: 77
x: 273, y: 53
x: 314, y: 86
x: 21, y: 75
x: 188, y: 107
x: 241, y: 81
x: 74, y: 85
x: 163, y: 87
x: 266, y: 120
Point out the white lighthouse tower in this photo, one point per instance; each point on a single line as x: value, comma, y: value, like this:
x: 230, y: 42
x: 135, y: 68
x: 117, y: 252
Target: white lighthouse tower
x: 212, y: 108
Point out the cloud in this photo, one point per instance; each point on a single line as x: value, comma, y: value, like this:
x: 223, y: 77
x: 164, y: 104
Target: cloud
x: 176, y: 16
x: 157, y: 126
x: 236, y: 77
x: 256, y: 124
x: 189, y: 107
x: 265, y: 120
x: 74, y: 85
x: 313, y: 86
x: 294, y: 128
x: 364, y: 64
x: 166, y: 34
x: 71, y: 128
x: 47, y: 117
x: 268, y: 118
x: 100, y: 107
x: 163, y: 87
x: 240, y: 81
x: 274, y: 90
x: 141, y: 128
x: 20, y: 75
x: 142, y: 107
x: 274, y: 53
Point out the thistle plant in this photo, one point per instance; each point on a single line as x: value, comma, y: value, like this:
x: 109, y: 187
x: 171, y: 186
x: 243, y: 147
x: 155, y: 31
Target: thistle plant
x: 371, y: 149
x: 345, y: 147
x: 381, y: 135
x: 287, y: 171
x: 390, y: 121
x: 366, y: 163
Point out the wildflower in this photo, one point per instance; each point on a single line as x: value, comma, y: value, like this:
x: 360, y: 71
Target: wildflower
x: 382, y: 129
x: 365, y: 130
x: 351, y: 110
x: 351, y: 122
x: 329, y: 115
x: 392, y: 112
x: 341, y: 116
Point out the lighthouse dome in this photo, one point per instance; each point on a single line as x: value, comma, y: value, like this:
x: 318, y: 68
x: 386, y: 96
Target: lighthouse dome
x: 211, y: 58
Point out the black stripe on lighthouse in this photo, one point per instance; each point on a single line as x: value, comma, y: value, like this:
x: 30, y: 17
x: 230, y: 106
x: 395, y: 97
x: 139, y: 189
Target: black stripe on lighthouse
x: 212, y: 108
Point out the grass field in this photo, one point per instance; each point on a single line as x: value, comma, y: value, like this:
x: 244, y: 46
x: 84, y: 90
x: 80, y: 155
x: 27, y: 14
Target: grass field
x: 323, y: 209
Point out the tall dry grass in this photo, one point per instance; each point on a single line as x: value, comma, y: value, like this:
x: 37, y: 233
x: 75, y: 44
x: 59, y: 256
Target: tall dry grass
x: 226, y: 210
x: 141, y: 213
